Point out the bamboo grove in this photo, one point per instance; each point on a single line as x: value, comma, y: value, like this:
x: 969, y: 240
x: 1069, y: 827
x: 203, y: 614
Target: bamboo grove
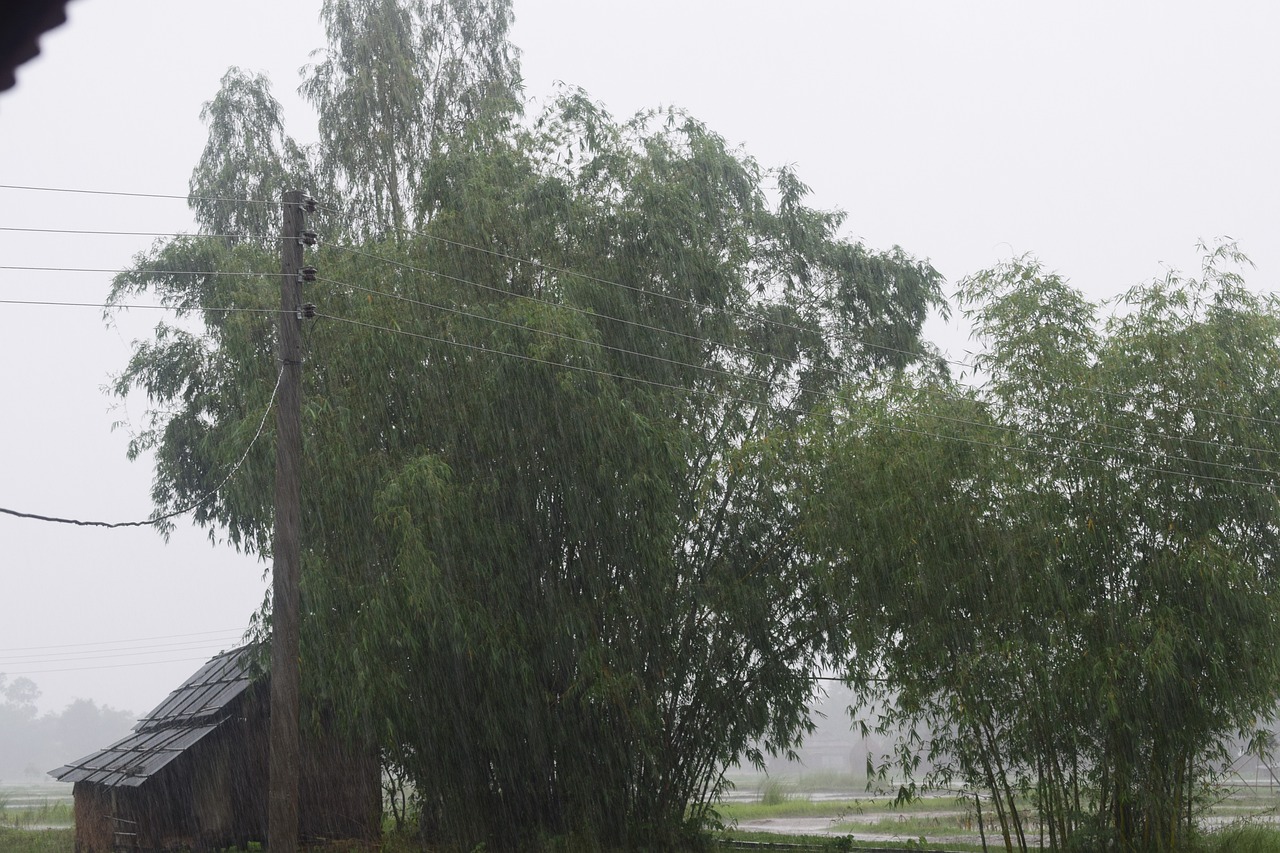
x: 614, y: 445
x: 1064, y: 578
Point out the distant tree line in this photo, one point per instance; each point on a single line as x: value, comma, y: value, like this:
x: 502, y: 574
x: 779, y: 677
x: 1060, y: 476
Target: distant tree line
x: 32, y: 744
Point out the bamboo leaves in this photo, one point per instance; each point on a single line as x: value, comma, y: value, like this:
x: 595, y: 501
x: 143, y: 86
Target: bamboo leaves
x: 1088, y: 553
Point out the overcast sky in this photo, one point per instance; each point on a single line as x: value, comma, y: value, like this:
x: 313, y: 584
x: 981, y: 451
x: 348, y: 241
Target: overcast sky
x: 1107, y: 138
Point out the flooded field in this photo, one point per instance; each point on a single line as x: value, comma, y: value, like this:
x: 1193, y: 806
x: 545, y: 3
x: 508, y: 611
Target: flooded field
x: 794, y: 806
x: 35, y: 806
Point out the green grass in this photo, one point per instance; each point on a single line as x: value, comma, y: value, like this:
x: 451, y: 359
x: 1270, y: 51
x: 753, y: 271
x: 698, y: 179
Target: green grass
x: 800, y: 806
x: 1244, y: 839
x: 837, y: 843
x: 36, y: 841
x: 793, y: 807
x: 910, y: 827
x: 48, y: 813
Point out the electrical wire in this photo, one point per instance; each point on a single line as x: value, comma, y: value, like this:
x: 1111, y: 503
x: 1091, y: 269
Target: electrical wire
x: 572, y: 308
x: 743, y: 351
x: 796, y: 388
x: 704, y: 368
x: 733, y: 398
x: 187, y: 197
x: 713, y: 309
x: 114, y: 642
x: 108, y: 666
x: 547, y: 332
x: 107, y: 654
x: 177, y: 512
x: 587, y: 277
x: 513, y: 258
x: 534, y: 359
x: 563, y: 271
x: 140, y: 271
x: 85, y: 231
x: 108, y: 306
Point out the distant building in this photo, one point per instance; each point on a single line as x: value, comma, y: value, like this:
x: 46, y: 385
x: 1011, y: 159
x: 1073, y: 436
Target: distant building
x: 193, y: 775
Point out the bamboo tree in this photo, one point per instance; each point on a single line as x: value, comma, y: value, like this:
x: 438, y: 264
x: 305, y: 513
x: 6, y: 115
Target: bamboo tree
x: 399, y: 80
x: 552, y: 559
x: 1114, y: 482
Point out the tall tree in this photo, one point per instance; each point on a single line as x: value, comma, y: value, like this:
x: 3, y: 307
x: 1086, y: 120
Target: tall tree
x: 549, y: 557
x: 399, y: 79
x: 1060, y: 573
x: 249, y: 158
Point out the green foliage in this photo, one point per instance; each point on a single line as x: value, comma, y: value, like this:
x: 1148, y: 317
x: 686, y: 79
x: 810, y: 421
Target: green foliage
x: 249, y: 155
x: 774, y: 794
x: 399, y: 81
x: 1062, y: 574
x: 36, y: 841
x: 46, y: 813
x: 1242, y: 839
x: 550, y: 560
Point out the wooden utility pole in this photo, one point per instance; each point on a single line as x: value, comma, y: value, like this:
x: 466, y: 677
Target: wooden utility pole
x: 286, y: 548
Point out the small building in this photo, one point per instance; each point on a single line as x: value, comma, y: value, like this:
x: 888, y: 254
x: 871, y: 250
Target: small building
x: 193, y: 775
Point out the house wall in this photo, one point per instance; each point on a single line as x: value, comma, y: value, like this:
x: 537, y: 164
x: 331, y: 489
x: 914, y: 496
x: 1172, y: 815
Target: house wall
x: 92, y: 812
x: 248, y: 794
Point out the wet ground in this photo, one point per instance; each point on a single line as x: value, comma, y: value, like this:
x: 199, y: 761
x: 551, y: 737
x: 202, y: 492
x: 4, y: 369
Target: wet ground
x: 949, y: 817
x: 832, y: 827
x: 845, y: 823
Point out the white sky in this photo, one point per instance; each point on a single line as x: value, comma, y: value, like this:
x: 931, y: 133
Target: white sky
x: 1105, y: 137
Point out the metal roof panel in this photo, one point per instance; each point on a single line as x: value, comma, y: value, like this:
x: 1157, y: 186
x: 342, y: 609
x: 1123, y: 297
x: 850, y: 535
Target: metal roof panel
x: 134, y: 759
x: 188, y: 714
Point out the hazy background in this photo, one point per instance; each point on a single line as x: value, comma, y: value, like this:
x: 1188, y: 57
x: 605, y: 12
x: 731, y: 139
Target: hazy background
x: 1107, y: 138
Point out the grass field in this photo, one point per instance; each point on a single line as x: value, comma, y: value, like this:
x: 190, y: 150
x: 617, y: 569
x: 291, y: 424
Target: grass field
x: 832, y: 807
x: 834, y: 812
x: 28, y: 806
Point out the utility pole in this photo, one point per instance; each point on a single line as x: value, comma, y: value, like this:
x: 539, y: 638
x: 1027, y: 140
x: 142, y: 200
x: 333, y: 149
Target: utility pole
x: 286, y: 547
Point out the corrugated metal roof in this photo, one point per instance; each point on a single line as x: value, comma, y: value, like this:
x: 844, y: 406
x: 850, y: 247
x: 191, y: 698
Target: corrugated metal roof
x: 204, y: 694
x: 188, y: 714
x: 130, y: 762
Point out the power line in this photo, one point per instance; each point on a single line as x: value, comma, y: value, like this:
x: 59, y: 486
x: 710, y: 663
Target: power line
x: 516, y: 259
x: 108, y: 654
x: 798, y: 388
x: 113, y: 642
x: 136, y: 194
x: 892, y: 426
x: 704, y: 368
x: 573, y: 308
x: 521, y: 260
x: 558, y: 335
x: 177, y: 512
x: 116, y: 271
x: 533, y: 359
x: 108, y: 666
x: 849, y: 339
x: 99, y: 233
x: 587, y: 277
x: 114, y: 305
x: 793, y: 386
x: 591, y: 278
